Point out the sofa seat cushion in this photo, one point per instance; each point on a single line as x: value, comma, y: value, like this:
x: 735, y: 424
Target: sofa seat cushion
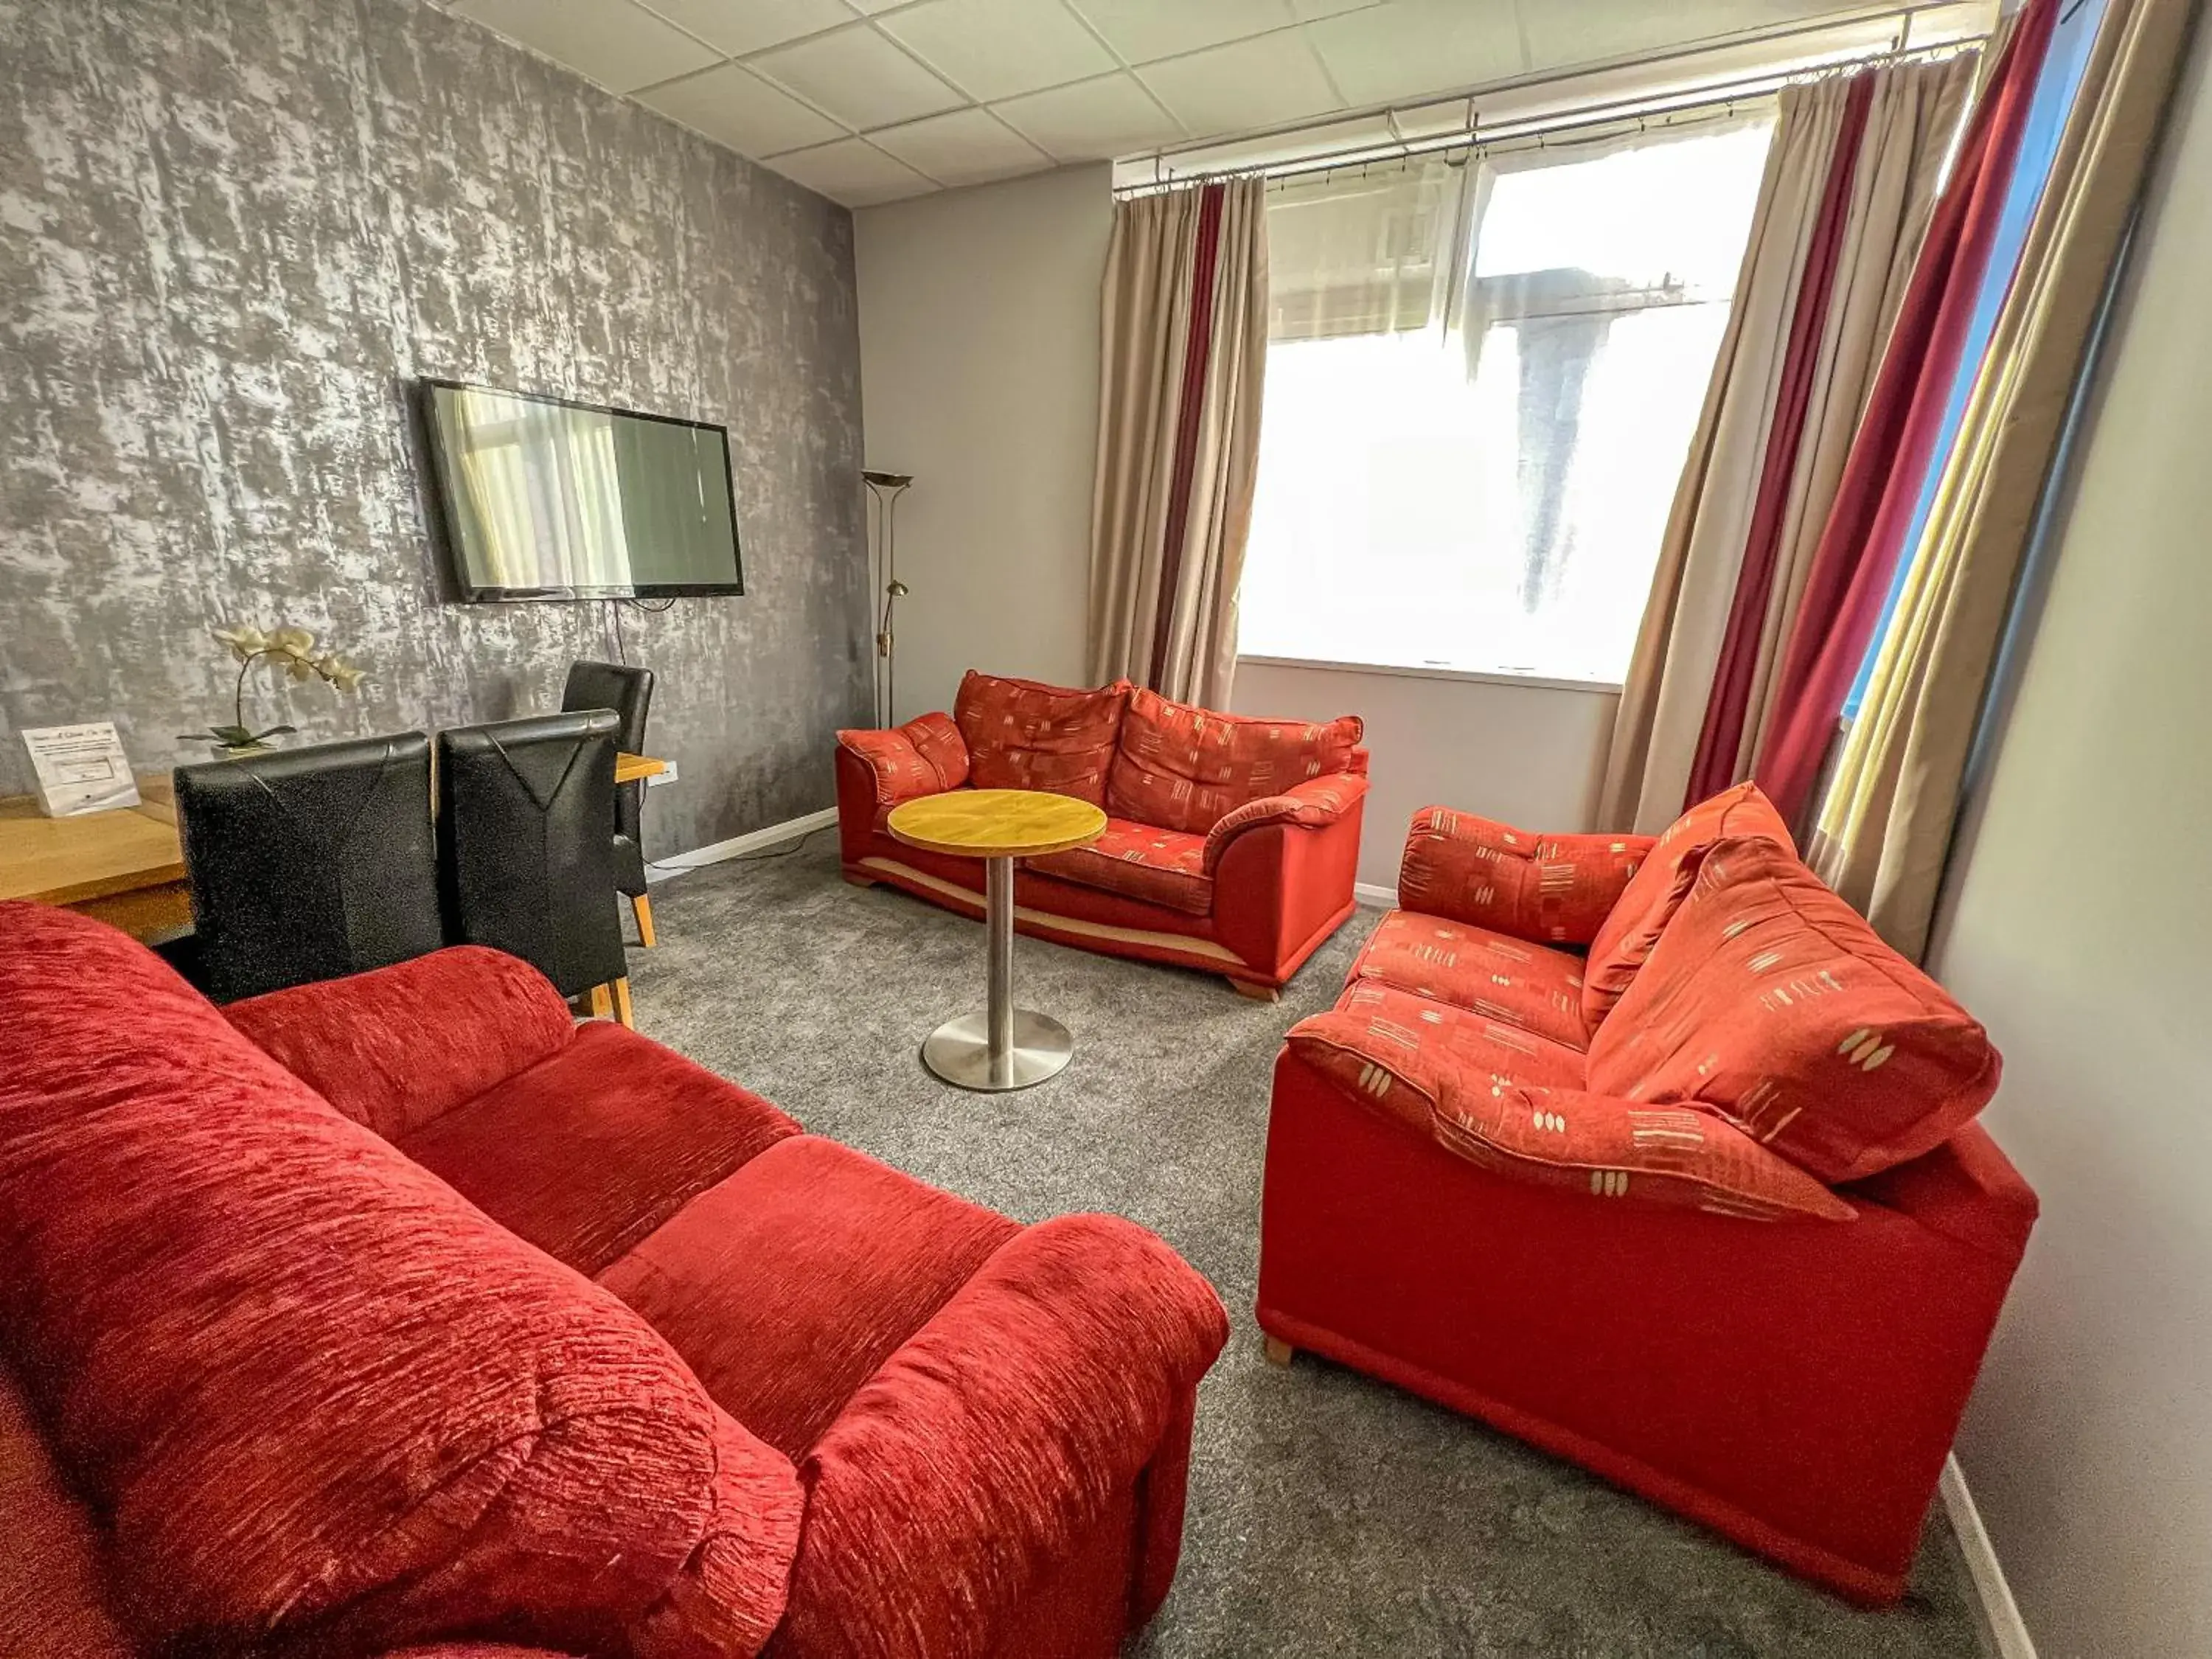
x: 321, y: 1402
x: 1771, y: 1000
x: 1186, y: 768
x: 1660, y: 885
x: 1141, y: 861
x: 585, y: 1153
x: 1455, y: 1077
x: 876, y: 1252
x: 1504, y: 979
x: 1393, y: 1033
x: 1023, y: 735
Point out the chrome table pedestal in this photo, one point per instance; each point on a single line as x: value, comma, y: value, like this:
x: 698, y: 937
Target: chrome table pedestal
x: 1003, y: 1047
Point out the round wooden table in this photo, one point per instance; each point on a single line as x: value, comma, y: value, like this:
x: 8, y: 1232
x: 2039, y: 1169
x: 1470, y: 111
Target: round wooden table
x: 1003, y: 1047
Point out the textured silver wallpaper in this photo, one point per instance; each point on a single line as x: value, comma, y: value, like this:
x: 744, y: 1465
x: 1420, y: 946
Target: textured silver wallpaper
x: 233, y: 232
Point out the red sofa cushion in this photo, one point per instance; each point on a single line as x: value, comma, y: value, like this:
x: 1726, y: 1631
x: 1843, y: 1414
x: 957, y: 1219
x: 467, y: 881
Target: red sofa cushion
x: 1470, y: 869
x: 1162, y: 866
x: 1771, y: 1000
x: 1185, y: 768
x: 1023, y: 735
x: 318, y: 1397
x: 585, y: 1153
x: 1507, y: 980
x: 1660, y: 885
x: 877, y: 1251
x: 1441, y: 1071
x: 363, y: 1042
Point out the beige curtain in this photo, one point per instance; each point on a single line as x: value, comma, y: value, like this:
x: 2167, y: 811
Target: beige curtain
x: 1913, y: 110
x: 1884, y: 827
x: 1184, y: 343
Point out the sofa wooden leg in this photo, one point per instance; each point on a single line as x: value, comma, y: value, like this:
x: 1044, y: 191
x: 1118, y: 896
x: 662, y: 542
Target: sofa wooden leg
x: 602, y: 1001
x: 621, y: 1003
x: 642, y: 906
x: 859, y: 880
x: 1278, y: 1351
x: 1257, y: 992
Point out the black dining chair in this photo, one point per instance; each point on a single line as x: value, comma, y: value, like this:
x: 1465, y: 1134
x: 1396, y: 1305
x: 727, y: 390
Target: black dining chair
x: 628, y: 692
x: 523, y: 850
x: 308, y: 864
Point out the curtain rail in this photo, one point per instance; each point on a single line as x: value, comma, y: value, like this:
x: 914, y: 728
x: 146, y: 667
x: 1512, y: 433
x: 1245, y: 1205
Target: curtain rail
x: 1708, y: 102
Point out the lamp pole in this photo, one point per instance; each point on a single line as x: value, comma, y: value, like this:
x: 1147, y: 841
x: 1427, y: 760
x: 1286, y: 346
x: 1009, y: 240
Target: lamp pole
x: 886, y: 488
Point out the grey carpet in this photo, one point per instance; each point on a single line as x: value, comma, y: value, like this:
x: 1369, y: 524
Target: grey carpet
x: 1329, y: 1514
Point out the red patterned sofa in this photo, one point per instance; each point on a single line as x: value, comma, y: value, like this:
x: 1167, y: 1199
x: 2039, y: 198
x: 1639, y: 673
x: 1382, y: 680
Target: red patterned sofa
x: 1231, y: 842
x: 395, y: 1310
x: 1525, y: 1180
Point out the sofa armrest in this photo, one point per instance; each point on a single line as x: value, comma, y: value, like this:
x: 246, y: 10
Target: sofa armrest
x: 973, y: 1463
x: 397, y: 1047
x: 1551, y: 889
x: 925, y: 756
x: 1311, y: 804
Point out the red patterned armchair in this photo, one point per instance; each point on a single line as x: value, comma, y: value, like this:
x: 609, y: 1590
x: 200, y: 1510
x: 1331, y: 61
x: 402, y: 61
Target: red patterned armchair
x: 1521, y: 1169
x: 397, y: 1310
x: 1231, y: 842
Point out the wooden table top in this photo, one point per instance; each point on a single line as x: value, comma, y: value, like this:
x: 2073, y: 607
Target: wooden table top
x: 994, y: 823
x: 67, y: 861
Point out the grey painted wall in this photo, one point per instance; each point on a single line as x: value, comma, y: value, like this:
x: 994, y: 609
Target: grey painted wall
x: 233, y: 231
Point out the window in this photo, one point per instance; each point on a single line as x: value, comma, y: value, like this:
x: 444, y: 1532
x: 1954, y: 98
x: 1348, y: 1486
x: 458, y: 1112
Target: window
x: 1482, y: 378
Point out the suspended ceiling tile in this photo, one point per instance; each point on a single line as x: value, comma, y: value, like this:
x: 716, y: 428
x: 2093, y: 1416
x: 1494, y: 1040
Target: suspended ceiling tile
x: 1248, y: 83
x: 993, y: 49
x: 1413, y: 47
x: 1092, y: 120
x: 852, y: 171
x: 858, y: 76
x: 621, y: 46
x: 967, y: 147
x: 732, y: 106
x: 1590, y: 31
x: 738, y: 26
x: 1143, y: 30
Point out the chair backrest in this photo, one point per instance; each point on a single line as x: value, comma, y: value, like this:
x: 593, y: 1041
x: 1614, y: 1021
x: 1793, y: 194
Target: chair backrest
x: 523, y: 847
x: 628, y: 692
x: 309, y: 864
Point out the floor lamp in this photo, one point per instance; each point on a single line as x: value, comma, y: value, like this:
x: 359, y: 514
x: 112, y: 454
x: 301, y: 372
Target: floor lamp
x: 886, y: 488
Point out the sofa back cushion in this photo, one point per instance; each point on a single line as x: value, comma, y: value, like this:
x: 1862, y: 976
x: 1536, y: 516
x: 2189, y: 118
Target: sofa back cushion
x: 1771, y: 1000
x: 1184, y: 768
x: 1660, y: 883
x: 316, y: 1397
x: 1023, y: 735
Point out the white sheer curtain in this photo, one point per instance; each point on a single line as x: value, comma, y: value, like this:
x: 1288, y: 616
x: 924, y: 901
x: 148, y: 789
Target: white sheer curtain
x: 1482, y: 376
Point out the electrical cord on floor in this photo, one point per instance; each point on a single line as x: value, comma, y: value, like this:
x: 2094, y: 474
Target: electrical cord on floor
x: 783, y: 852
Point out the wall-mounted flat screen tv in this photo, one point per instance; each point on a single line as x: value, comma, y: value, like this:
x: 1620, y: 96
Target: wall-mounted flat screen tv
x: 546, y: 499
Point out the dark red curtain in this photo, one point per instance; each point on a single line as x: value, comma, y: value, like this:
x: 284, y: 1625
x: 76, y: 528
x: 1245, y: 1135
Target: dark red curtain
x: 1721, y: 739
x: 1857, y: 559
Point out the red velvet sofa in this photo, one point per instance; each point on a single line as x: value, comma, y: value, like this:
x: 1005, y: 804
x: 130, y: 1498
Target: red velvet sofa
x: 1650, y: 1153
x: 397, y: 1313
x: 1231, y: 842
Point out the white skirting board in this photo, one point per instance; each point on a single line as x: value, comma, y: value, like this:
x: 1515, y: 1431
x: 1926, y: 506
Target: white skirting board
x: 1378, y: 898
x: 1999, y: 1610
x: 736, y: 847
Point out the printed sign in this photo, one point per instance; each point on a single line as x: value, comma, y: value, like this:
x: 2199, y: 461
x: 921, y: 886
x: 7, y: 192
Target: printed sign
x: 81, y: 768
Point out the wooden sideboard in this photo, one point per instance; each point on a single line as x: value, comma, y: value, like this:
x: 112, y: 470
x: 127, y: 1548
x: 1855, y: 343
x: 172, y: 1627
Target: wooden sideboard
x: 127, y: 866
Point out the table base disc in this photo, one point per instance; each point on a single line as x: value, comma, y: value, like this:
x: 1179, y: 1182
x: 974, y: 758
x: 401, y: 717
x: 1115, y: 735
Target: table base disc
x: 959, y: 1051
